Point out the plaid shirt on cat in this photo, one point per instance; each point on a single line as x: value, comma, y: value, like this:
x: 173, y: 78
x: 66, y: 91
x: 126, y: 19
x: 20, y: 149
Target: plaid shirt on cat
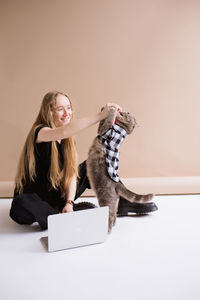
x: 111, y: 141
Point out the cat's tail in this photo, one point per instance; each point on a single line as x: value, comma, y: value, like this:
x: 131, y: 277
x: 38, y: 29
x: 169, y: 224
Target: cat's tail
x: 130, y: 196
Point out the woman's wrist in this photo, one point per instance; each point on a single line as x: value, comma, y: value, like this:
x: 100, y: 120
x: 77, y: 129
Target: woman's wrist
x: 69, y: 202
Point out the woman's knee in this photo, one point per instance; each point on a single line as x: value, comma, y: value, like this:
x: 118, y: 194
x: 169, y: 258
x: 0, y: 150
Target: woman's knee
x: 18, y: 211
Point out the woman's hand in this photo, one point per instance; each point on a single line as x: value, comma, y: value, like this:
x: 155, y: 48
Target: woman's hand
x: 105, y: 110
x: 116, y: 106
x: 67, y: 208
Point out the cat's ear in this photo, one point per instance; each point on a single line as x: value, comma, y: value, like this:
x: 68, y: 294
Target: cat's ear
x: 107, y: 123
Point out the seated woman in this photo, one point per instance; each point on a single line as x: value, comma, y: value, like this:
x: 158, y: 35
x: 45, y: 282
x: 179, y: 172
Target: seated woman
x: 48, y: 179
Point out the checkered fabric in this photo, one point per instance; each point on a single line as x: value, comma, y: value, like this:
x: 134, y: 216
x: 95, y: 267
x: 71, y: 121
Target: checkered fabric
x: 111, y: 141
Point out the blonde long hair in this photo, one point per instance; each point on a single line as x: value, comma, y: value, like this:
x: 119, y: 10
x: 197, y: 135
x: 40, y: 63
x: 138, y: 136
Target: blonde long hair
x: 26, y: 166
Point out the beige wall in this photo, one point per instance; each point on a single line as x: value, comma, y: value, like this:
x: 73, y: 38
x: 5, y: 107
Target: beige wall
x: 141, y: 54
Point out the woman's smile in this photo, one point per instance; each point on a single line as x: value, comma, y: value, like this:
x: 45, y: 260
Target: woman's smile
x: 62, y: 114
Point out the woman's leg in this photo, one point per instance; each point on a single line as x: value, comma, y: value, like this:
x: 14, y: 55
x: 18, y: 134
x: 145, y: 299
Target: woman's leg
x: 19, y: 213
x: 29, y: 208
x: 82, y: 185
x: 83, y: 181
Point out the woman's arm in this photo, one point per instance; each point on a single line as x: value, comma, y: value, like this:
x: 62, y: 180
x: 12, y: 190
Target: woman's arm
x: 70, y: 196
x: 47, y: 134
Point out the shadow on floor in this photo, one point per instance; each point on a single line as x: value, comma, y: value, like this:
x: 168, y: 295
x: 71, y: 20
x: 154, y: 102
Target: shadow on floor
x: 44, y: 242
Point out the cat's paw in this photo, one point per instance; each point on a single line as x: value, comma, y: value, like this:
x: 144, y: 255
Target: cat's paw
x: 112, y: 221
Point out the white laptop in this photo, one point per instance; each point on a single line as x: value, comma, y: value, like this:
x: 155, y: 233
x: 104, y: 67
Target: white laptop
x: 77, y: 228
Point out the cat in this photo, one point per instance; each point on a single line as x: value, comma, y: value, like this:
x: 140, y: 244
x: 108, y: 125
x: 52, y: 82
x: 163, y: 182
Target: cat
x: 102, y: 173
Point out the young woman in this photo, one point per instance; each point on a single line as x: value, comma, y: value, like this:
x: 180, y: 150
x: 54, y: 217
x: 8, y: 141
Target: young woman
x: 48, y: 179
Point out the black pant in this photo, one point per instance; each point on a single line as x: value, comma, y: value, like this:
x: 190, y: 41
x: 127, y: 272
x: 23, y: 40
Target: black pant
x: 29, y: 208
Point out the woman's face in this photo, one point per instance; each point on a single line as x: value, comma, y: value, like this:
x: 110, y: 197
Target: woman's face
x: 62, y: 113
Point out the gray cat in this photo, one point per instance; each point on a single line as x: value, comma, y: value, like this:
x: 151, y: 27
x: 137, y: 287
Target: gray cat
x: 102, y: 163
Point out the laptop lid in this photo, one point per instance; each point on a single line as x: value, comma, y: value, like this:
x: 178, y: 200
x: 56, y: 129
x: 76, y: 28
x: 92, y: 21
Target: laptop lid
x: 77, y: 228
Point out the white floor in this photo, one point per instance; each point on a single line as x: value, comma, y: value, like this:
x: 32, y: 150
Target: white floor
x: 156, y: 257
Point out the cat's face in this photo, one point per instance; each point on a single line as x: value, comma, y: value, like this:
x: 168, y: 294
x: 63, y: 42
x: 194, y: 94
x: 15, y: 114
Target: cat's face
x: 126, y: 121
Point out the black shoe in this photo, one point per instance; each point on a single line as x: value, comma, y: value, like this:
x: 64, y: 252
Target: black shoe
x: 83, y: 205
x: 126, y: 207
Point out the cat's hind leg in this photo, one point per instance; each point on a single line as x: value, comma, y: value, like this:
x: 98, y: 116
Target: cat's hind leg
x: 110, y: 199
